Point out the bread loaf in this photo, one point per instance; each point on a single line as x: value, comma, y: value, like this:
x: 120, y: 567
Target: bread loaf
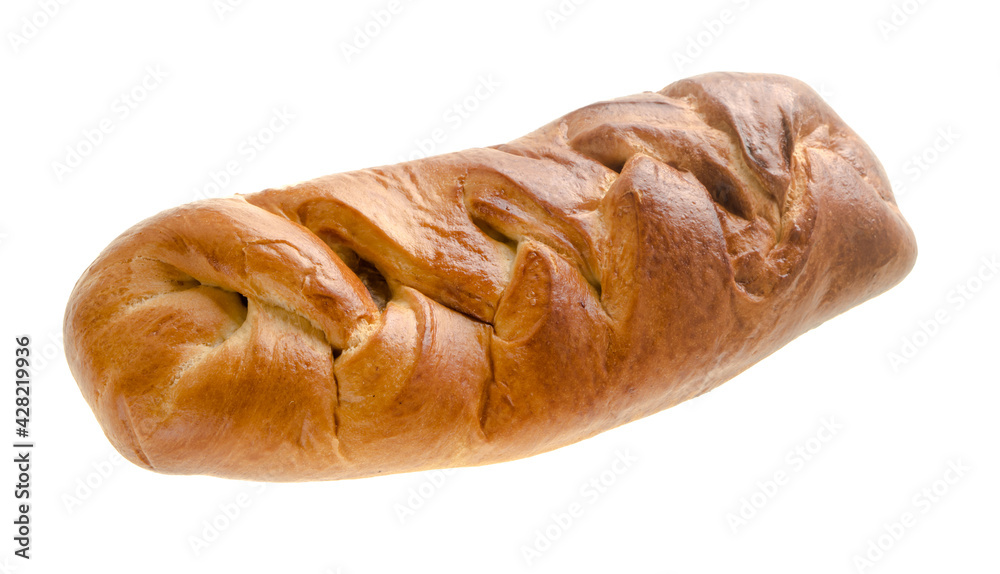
x: 490, y: 304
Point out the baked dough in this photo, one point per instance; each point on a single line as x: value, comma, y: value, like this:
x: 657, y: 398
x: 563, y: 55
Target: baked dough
x: 490, y: 304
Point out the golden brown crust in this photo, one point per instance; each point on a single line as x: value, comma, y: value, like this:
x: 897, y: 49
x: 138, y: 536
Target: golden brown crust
x: 489, y: 304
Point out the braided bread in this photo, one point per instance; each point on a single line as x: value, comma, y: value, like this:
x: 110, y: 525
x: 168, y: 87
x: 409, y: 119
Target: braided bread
x: 490, y: 304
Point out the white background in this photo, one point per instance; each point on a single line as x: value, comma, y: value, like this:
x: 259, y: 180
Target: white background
x: 900, y: 85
